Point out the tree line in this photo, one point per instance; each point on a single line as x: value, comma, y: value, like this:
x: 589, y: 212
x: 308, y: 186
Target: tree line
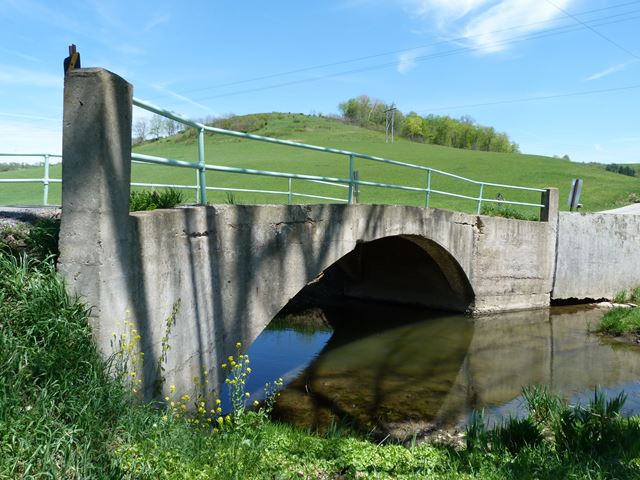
x: 461, y: 132
x: 6, y: 167
x: 154, y: 128
x: 622, y: 169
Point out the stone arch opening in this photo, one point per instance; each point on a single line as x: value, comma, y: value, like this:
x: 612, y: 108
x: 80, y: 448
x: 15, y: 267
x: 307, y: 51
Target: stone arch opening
x: 403, y: 269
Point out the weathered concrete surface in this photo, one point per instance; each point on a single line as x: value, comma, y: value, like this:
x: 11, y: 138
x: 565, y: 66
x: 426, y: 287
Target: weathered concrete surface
x: 597, y: 255
x: 633, y: 209
x: 94, y: 238
x: 230, y: 269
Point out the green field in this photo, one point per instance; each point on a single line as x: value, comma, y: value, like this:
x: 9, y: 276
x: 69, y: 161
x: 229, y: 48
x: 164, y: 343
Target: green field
x: 601, y: 190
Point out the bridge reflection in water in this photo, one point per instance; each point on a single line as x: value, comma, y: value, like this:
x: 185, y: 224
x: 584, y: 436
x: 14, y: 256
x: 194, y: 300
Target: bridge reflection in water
x: 432, y: 369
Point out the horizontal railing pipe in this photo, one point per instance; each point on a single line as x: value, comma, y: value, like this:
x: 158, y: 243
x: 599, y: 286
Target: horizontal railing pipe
x: 50, y: 155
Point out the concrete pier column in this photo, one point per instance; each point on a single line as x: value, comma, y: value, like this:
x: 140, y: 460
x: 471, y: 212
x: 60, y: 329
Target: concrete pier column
x: 96, y: 172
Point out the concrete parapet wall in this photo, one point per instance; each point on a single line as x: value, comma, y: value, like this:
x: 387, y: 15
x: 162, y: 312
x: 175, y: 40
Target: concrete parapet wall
x: 598, y: 255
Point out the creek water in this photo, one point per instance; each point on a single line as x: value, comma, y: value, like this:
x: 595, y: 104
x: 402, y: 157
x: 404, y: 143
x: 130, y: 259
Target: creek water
x: 398, y: 370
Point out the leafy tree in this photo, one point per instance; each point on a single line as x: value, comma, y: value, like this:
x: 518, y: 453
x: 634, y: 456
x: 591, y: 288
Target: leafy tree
x: 439, y: 130
x: 413, y: 127
x: 364, y: 111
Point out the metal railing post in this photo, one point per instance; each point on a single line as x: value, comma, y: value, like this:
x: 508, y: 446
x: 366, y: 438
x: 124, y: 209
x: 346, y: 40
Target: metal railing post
x: 45, y: 180
x: 350, y: 194
x: 290, y: 196
x: 202, y: 183
x: 426, y: 202
x: 356, y: 188
x: 480, y: 198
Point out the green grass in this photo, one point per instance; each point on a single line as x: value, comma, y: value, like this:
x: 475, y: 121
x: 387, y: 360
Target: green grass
x: 601, y: 190
x: 63, y: 415
x: 506, y: 211
x: 632, y: 296
x: 620, y: 321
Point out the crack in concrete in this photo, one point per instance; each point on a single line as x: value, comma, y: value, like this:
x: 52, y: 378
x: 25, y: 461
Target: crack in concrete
x: 307, y: 220
x: 206, y: 233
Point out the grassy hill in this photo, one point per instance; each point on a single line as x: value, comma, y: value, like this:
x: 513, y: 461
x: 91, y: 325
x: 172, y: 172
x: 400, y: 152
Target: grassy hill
x: 601, y: 190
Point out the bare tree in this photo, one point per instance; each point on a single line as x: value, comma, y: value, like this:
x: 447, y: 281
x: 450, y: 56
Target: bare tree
x: 140, y: 129
x: 156, y: 127
x: 170, y: 127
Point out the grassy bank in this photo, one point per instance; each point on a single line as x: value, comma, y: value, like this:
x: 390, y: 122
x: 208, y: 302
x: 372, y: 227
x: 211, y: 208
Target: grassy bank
x: 621, y: 321
x: 625, y: 320
x: 602, y: 189
x: 63, y: 414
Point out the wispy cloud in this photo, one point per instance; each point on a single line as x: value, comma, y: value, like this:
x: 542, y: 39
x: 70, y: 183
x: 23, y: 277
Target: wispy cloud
x: 155, y: 21
x: 29, y: 117
x: 28, y: 138
x: 20, y: 55
x: 129, y: 49
x: 42, y: 13
x: 443, y: 10
x: 32, y: 78
x: 407, y: 60
x: 486, y: 24
x: 609, y: 71
x: 182, y: 98
x: 626, y: 140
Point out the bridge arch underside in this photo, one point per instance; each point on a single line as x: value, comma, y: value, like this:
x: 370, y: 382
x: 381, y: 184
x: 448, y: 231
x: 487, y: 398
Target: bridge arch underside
x: 404, y: 269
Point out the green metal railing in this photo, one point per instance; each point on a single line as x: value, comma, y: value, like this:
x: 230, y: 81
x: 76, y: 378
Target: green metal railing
x: 348, y: 183
x: 45, y: 179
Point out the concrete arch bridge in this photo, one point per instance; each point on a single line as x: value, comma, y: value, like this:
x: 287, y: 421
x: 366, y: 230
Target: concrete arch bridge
x: 202, y: 278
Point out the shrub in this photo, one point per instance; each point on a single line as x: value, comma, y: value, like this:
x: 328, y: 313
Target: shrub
x: 151, y: 199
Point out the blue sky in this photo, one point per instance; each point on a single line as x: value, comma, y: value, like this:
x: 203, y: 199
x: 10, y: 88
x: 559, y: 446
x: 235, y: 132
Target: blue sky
x: 525, y: 67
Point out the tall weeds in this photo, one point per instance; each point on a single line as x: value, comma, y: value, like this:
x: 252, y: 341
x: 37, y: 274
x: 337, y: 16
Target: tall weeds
x: 58, y: 407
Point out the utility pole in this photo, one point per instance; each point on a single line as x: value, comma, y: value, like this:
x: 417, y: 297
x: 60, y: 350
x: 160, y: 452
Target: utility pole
x: 390, y: 116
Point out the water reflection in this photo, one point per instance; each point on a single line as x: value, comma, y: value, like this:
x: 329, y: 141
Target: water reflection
x: 430, y: 370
